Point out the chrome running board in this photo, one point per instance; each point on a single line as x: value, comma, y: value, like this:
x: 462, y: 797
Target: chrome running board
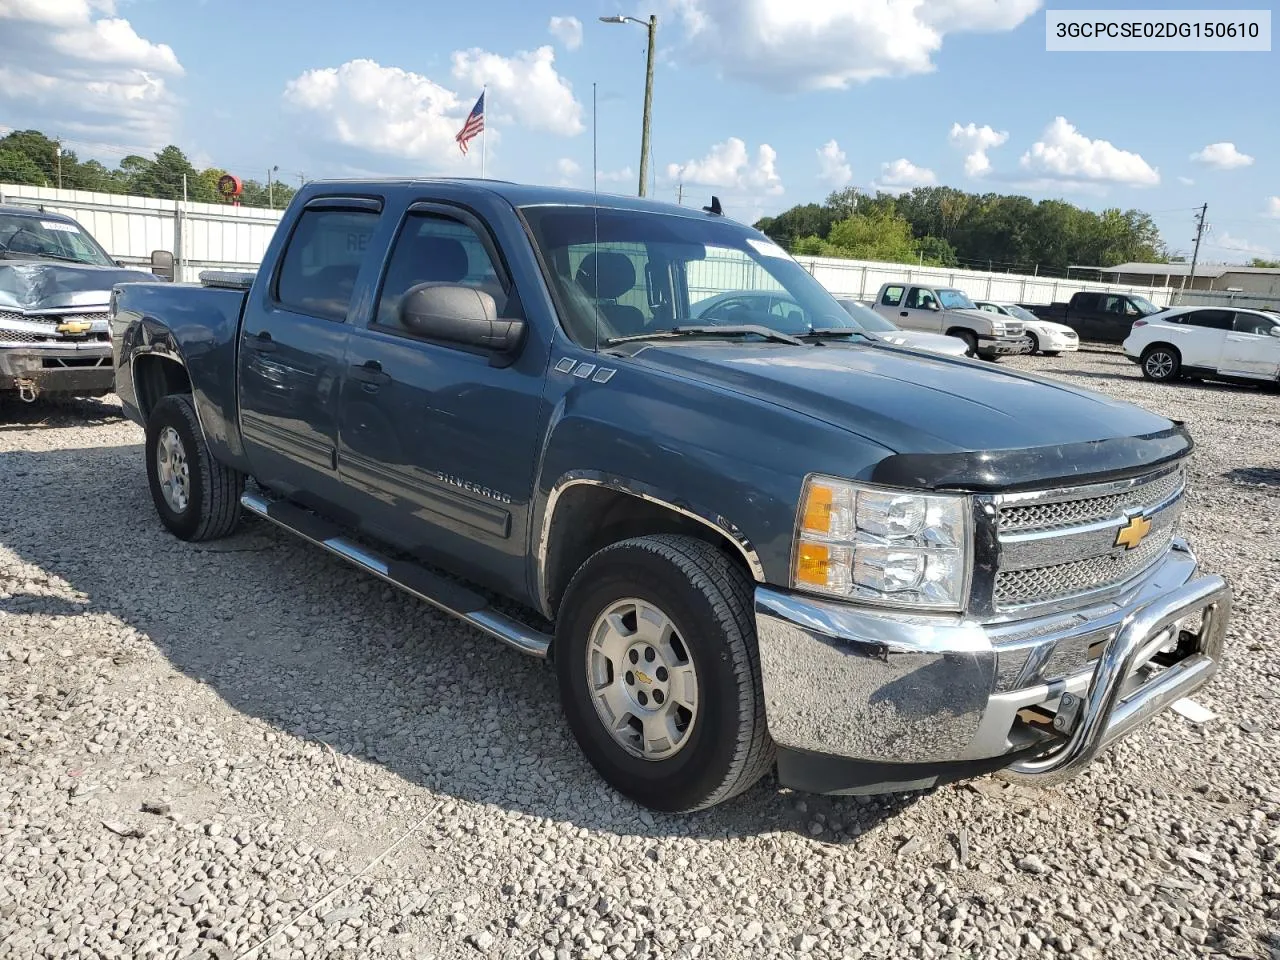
x: 453, y: 598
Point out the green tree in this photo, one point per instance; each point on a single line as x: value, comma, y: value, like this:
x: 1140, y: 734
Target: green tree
x: 874, y: 236
x: 17, y: 167
x: 786, y: 228
x: 1264, y: 264
x: 935, y: 252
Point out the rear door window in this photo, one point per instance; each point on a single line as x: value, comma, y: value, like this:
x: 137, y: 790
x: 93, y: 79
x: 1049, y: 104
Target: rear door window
x: 322, y: 261
x: 1213, y: 319
x: 892, y: 296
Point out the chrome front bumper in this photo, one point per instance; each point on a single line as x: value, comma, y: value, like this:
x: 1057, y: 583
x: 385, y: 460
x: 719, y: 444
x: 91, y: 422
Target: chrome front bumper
x: 868, y: 685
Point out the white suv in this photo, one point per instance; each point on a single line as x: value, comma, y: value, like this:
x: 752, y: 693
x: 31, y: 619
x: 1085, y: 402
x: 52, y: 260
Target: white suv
x: 1207, y: 342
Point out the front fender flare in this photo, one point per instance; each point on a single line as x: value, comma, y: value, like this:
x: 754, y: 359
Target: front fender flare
x: 641, y: 491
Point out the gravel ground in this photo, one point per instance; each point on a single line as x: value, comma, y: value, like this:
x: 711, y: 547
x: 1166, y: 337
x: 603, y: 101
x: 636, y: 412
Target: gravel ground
x: 247, y: 748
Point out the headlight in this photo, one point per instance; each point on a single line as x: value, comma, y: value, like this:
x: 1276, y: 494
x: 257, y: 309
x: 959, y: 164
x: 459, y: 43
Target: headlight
x: 997, y: 329
x: 884, y: 546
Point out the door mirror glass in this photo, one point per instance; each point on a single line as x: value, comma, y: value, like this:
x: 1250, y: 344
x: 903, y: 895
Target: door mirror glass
x: 933, y: 305
x: 456, y: 314
x: 1275, y: 331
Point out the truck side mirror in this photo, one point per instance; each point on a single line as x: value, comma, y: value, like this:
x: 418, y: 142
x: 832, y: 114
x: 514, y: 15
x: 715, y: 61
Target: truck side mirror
x: 934, y: 306
x: 461, y: 315
x: 162, y: 264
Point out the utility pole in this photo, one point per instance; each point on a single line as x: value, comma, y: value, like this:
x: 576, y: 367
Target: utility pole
x: 680, y: 193
x: 1195, y: 256
x: 652, y: 26
x: 57, y: 152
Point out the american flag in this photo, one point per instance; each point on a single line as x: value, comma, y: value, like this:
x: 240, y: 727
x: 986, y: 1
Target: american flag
x: 473, y: 127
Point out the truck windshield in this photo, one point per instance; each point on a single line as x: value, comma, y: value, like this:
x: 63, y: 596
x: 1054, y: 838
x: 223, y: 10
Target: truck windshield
x: 23, y: 237
x: 955, y: 300
x: 628, y: 273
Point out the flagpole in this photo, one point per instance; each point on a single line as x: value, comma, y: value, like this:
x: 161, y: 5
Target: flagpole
x: 484, y: 133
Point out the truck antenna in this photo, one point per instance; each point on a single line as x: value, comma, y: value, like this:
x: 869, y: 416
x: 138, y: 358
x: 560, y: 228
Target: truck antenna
x: 595, y: 221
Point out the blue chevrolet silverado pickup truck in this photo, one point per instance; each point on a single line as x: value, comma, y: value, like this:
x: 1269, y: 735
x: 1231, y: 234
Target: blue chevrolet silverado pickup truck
x: 760, y: 541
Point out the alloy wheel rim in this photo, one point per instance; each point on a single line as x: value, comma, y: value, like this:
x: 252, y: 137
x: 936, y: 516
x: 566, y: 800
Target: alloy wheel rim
x: 172, y: 470
x: 642, y: 679
x: 1159, y: 365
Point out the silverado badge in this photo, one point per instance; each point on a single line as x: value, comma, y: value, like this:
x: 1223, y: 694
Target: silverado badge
x: 1133, y: 532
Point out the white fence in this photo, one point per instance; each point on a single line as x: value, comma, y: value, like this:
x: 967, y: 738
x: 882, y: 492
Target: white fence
x: 207, y: 236
x: 201, y: 236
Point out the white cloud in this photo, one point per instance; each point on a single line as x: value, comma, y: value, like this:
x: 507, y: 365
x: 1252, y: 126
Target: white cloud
x: 568, y: 30
x: 902, y: 174
x: 1225, y: 241
x: 1223, y: 156
x: 1273, y: 206
x: 526, y: 86
x: 568, y: 170
x: 1065, y: 154
x: 616, y: 176
x: 74, y: 65
x: 729, y: 166
x: 824, y: 44
x: 975, y: 141
x: 398, y: 113
x: 833, y: 165
x: 382, y: 110
x: 1186, y: 181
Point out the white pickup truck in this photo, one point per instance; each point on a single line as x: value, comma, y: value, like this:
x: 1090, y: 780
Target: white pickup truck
x: 949, y: 311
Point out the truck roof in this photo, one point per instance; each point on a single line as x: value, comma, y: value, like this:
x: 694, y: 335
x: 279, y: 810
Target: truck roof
x: 524, y: 195
x: 9, y: 209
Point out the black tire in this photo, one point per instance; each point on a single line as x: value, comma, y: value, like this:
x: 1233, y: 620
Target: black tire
x: 1035, y: 344
x: 970, y: 340
x: 708, y: 600
x: 212, y: 507
x: 1161, y: 362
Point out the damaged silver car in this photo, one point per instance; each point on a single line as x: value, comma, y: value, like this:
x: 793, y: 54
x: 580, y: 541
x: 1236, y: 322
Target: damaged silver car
x: 55, y: 287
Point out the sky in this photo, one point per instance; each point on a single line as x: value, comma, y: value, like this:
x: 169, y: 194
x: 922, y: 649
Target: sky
x: 765, y: 103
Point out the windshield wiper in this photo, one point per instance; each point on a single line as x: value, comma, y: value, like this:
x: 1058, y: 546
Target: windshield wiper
x: 836, y: 332
x: 39, y: 256
x: 728, y: 330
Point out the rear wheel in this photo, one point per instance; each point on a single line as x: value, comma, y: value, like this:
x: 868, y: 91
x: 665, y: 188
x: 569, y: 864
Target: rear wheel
x: 197, y: 497
x: 659, y: 672
x: 1161, y: 363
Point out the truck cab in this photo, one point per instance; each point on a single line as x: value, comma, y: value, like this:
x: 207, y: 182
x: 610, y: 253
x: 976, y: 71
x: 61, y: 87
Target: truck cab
x: 747, y: 540
x: 948, y: 311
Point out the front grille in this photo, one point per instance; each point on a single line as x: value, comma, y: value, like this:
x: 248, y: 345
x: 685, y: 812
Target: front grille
x: 1058, y: 545
x: 21, y: 336
x: 1078, y: 509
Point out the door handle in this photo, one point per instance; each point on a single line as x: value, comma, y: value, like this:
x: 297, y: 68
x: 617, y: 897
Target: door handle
x: 262, y: 343
x: 370, y: 373
x: 904, y: 314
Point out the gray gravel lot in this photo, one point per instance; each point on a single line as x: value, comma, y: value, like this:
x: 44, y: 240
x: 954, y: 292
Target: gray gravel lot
x: 332, y: 769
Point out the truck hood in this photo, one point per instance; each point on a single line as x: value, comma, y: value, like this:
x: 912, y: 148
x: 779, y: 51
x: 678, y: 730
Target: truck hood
x: 908, y: 403
x: 50, y: 285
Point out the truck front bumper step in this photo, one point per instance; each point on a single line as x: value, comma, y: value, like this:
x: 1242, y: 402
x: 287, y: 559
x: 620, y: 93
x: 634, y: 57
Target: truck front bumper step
x: 941, y: 697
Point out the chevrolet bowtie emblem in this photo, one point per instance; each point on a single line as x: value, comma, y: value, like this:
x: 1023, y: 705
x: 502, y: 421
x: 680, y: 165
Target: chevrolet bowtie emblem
x: 643, y: 677
x: 74, y: 327
x: 1133, y: 532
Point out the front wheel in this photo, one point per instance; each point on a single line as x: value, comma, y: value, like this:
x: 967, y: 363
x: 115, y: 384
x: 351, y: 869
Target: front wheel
x: 660, y: 675
x: 197, y: 497
x: 1161, y: 363
x: 970, y: 341
x: 1035, y: 344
